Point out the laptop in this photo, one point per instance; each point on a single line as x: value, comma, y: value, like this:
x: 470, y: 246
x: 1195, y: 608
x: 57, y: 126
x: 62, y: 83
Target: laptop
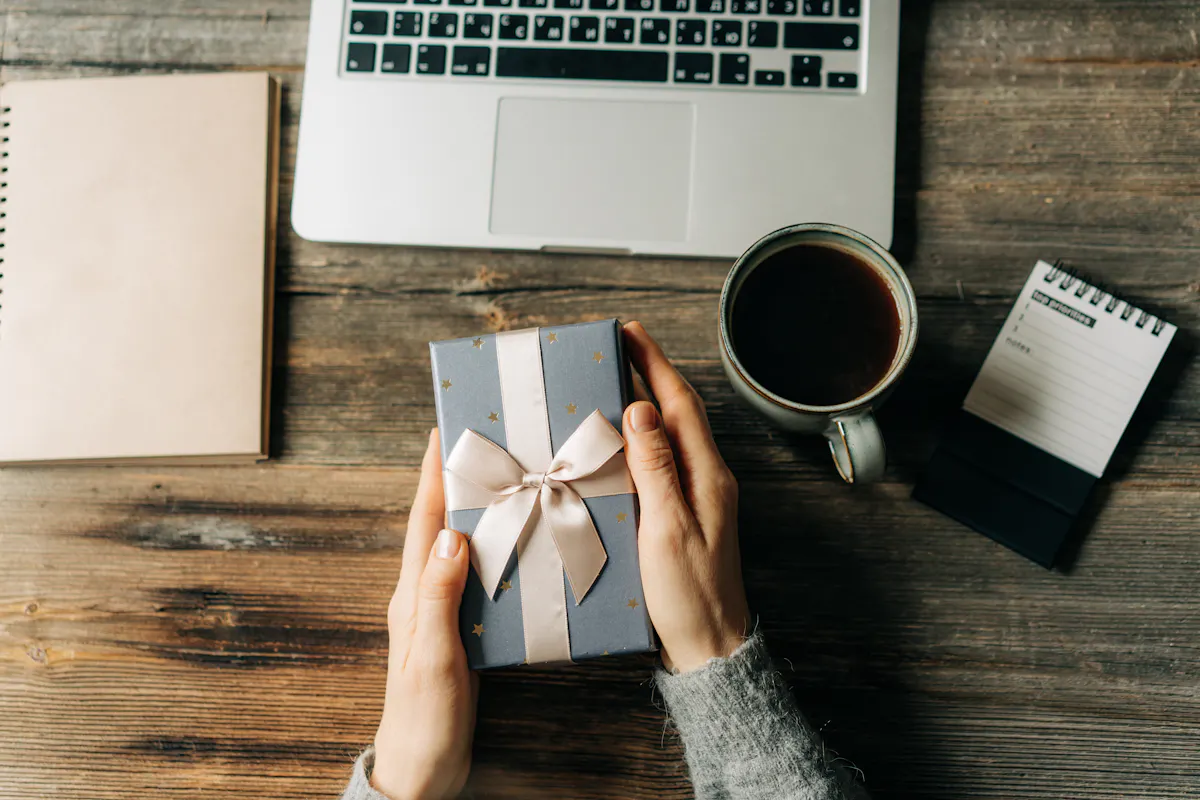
x: 664, y: 127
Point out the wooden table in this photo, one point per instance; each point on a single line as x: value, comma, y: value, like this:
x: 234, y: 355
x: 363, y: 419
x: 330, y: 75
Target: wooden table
x: 212, y: 632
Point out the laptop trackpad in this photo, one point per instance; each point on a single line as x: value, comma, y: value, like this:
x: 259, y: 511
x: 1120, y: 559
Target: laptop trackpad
x: 592, y: 169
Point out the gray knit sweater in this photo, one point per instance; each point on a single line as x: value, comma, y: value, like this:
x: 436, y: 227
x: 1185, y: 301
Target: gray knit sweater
x: 743, y: 736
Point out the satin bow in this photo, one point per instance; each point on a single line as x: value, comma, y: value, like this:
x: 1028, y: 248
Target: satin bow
x: 519, y: 495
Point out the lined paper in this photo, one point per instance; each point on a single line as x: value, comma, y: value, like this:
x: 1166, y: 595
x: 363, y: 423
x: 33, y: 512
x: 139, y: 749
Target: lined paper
x: 1068, y: 368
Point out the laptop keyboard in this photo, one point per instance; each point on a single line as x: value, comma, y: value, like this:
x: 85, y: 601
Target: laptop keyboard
x: 767, y: 45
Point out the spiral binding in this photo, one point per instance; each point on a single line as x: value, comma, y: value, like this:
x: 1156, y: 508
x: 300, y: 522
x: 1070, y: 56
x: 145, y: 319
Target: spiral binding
x: 1071, y: 279
x: 4, y: 123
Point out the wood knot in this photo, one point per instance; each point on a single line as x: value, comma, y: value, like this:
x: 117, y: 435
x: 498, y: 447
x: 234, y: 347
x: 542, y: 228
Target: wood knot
x: 31, y: 608
x: 37, y: 654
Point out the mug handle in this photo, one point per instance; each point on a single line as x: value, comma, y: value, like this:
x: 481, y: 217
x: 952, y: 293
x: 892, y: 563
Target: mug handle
x: 857, y: 447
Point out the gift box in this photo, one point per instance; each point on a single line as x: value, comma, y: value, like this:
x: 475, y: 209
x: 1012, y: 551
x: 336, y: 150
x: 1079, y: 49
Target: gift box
x: 535, y: 475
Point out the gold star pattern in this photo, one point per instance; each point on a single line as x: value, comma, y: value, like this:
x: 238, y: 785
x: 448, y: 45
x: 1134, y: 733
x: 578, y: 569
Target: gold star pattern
x: 478, y: 343
x: 597, y: 356
x: 478, y: 631
x: 505, y: 585
x: 633, y: 603
x: 552, y: 338
x: 446, y: 384
x: 622, y: 517
x: 572, y: 408
x: 493, y: 417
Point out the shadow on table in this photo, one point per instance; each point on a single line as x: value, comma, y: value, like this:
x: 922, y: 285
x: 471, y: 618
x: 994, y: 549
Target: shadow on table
x: 282, y: 322
x: 835, y: 621
x: 914, y: 27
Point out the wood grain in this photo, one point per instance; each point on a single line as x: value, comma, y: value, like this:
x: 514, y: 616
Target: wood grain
x: 220, y: 632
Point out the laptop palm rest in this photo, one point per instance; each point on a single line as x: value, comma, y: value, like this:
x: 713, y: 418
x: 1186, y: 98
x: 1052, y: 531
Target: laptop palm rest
x: 592, y: 169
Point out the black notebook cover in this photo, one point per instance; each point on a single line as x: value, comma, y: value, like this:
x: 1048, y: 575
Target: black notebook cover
x: 1045, y: 413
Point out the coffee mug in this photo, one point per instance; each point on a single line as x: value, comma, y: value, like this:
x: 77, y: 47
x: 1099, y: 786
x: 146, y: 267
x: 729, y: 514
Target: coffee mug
x: 831, y: 312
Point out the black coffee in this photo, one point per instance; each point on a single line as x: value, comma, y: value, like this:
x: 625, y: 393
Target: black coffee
x: 815, y: 325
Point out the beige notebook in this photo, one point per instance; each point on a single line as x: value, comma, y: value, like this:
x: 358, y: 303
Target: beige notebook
x: 138, y: 259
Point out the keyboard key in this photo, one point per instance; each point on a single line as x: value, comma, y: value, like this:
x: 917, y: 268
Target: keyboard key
x: 710, y: 6
x: 431, y: 59
x: 768, y: 77
x: 693, y: 68
x: 745, y: 6
x: 514, y: 26
x: 548, y: 29
x: 533, y: 3
x: 407, y: 23
x: 477, y: 26
x: 571, y: 5
x: 781, y: 8
x: 655, y: 31
x: 498, y: 3
x: 850, y: 8
x: 585, y: 29
x: 396, y: 58
x: 690, y: 32
x: 603, y: 5
x: 593, y: 65
x: 726, y: 33
x: 806, y: 63
x: 735, y: 69
x: 619, y: 30
x: 842, y: 80
x: 369, y: 23
x: 360, y: 57
x: 443, y: 26
x: 818, y: 8
x: 763, y: 34
x: 470, y: 60
x: 427, y: 2
x: 820, y: 35
x: 462, y: 2
x: 806, y: 77
x: 674, y: 6
x: 639, y: 5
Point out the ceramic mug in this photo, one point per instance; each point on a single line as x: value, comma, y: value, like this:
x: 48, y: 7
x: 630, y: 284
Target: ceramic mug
x: 850, y: 427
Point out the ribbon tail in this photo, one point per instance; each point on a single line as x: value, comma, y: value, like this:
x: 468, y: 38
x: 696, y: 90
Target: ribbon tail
x: 496, y: 536
x: 579, y: 546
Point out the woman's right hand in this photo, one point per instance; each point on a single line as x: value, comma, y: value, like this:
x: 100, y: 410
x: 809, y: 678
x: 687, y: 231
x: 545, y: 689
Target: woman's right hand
x: 687, y: 534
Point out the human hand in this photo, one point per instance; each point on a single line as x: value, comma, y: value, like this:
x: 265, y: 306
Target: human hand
x: 423, y: 745
x: 687, y: 535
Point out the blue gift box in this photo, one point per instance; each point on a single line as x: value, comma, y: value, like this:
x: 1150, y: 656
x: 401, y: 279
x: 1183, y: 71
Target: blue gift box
x: 582, y: 369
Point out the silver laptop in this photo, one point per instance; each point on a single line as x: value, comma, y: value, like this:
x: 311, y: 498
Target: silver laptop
x: 672, y: 127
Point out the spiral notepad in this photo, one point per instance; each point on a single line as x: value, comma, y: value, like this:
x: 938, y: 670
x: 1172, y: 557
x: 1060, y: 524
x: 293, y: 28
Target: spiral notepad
x: 138, y: 238
x: 1046, y: 411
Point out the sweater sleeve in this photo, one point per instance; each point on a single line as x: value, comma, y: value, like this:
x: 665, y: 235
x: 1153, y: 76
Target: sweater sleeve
x: 743, y: 736
x: 360, y: 787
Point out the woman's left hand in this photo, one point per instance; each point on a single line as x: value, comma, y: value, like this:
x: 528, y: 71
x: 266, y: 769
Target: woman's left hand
x: 423, y: 745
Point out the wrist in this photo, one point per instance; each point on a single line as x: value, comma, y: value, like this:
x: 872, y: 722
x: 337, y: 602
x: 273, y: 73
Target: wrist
x: 701, y: 652
x: 387, y: 778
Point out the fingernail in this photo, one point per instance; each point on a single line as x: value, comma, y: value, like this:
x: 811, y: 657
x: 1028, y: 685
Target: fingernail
x: 644, y: 417
x: 447, y: 544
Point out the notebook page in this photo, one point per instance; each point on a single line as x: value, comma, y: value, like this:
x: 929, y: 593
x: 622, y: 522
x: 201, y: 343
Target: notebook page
x: 1068, y: 368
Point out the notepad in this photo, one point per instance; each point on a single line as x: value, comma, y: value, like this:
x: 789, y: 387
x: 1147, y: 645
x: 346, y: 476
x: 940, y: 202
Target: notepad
x: 138, y: 246
x: 1043, y: 417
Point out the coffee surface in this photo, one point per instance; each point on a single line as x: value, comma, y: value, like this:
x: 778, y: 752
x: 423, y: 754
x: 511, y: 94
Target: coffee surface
x: 815, y: 325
